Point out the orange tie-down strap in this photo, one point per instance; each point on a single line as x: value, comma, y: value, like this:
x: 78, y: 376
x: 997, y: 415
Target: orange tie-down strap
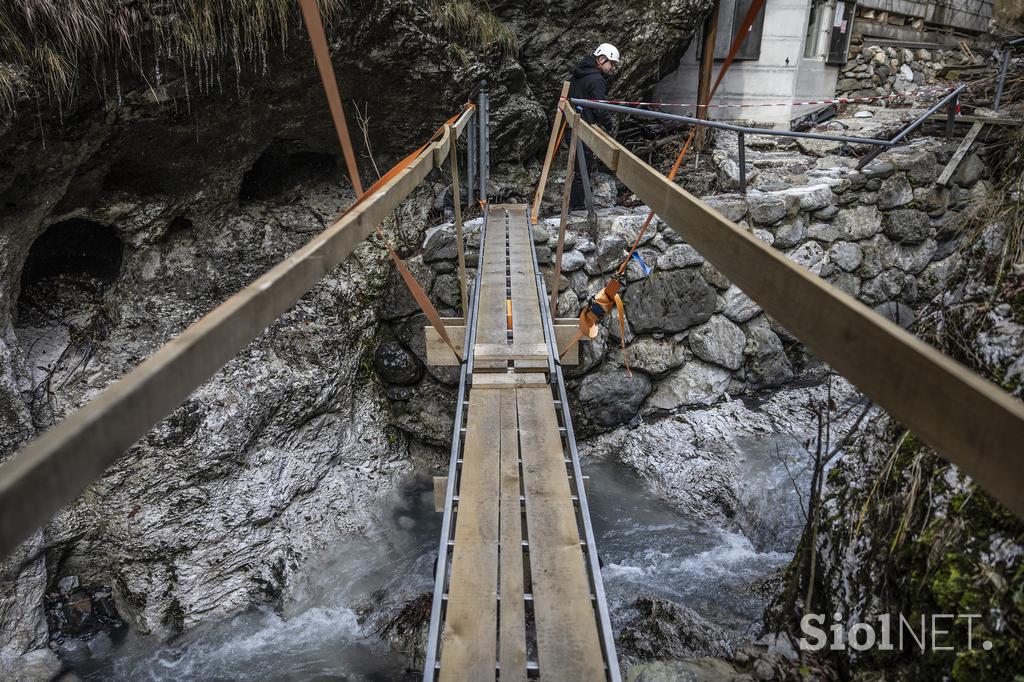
x: 591, y: 316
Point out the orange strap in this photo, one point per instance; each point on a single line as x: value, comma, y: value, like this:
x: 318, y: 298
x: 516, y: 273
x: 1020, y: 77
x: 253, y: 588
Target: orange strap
x: 322, y: 55
x: 621, y: 309
x: 422, y: 300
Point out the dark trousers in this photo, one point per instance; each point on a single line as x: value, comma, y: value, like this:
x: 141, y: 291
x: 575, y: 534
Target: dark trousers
x: 577, y: 197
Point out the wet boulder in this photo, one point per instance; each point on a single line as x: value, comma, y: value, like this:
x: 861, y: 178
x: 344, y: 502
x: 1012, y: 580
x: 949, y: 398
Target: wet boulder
x: 611, y: 397
x: 396, y: 365
x: 669, y: 301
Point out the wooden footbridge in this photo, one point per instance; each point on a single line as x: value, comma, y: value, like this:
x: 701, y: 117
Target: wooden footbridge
x: 518, y: 589
x: 522, y: 591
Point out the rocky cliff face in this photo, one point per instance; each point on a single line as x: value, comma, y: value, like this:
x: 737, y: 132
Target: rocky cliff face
x: 125, y: 219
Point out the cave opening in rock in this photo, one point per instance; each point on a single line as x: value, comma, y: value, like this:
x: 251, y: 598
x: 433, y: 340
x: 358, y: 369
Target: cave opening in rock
x: 68, y: 266
x: 60, y: 316
x: 285, y: 166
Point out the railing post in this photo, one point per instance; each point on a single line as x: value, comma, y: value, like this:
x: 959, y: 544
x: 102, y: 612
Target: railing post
x: 471, y: 160
x: 484, y: 141
x: 741, y: 145
x: 1007, y: 51
x: 951, y: 115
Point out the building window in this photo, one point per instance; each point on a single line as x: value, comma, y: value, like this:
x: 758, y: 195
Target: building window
x: 731, y: 14
x: 817, y: 27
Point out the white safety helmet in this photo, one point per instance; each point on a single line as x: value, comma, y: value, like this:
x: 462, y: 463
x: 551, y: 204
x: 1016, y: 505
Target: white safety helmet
x: 608, y: 51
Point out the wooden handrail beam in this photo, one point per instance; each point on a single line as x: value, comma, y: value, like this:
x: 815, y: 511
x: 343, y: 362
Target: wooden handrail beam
x: 969, y: 421
x: 57, y: 467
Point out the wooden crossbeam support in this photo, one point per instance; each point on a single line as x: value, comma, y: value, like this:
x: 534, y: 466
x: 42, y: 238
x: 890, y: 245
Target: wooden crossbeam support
x: 946, y: 176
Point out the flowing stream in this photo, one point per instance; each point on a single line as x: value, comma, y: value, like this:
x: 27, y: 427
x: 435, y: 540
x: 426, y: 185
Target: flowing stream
x: 646, y: 545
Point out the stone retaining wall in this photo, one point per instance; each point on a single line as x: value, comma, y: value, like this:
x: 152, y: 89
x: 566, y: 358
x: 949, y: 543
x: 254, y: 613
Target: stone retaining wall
x: 885, y: 235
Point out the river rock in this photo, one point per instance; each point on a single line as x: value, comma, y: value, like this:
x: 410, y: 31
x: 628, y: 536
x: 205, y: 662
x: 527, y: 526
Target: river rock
x: 440, y: 245
x: 695, y: 383
x: 885, y: 287
x: 738, y: 306
x: 653, y: 356
x: 610, y: 253
x: 572, y: 261
x: 768, y: 364
x: 918, y: 163
x: 790, y: 233
x: 933, y: 279
x: 655, y: 628
x: 878, y: 169
x: 718, y: 341
x: 877, y: 254
x: 766, y: 208
x: 611, y: 397
x: 810, y: 255
x: 907, y: 225
x: 669, y: 301
x: 809, y: 197
x: 396, y: 365
x: 895, y: 192
x: 858, y: 222
x: 732, y: 206
x: 970, y: 170
x: 713, y: 277
x: 846, y: 255
x: 679, y: 256
x: 823, y: 232
x: 912, y: 258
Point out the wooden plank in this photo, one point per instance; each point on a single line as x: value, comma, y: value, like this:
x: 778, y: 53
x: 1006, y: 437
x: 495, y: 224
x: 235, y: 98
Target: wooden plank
x: 958, y: 156
x: 492, y: 325
x: 440, y: 355
x: 468, y: 647
x: 971, y: 118
x: 538, y: 197
x: 512, y: 628
x: 56, y: 467
x: 503, y: 380
x: 969, y: 421
x: 492, y: 351
x: 440, y: 489
x: 568, y: 647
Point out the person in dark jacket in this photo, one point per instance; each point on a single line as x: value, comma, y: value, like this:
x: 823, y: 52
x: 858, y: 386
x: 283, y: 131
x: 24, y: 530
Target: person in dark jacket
x: 589, y: 81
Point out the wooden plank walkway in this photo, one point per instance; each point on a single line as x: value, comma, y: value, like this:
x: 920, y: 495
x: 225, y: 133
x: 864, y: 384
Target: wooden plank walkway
x: 519, y: 598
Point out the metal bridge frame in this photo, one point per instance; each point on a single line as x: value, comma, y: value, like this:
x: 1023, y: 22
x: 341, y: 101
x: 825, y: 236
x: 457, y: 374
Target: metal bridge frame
x: 442, y: 566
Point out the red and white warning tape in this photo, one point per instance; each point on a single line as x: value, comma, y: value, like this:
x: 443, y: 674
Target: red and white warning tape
x: 835, y: 100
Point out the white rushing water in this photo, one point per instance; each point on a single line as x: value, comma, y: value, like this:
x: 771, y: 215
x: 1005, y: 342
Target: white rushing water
x: 647, y: 548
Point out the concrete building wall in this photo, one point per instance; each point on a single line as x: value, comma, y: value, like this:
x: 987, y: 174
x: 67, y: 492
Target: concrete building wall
x: 769, y: 79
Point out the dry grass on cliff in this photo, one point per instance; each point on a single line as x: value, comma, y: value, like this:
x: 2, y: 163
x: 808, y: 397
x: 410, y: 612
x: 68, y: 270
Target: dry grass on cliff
x: 49, y: 43
x: 472, y: 22
x: 49, y: 46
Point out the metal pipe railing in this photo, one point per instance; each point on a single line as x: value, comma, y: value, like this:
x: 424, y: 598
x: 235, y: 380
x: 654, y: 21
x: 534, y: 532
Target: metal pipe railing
x: 618, y: 108
x: 949, y: 100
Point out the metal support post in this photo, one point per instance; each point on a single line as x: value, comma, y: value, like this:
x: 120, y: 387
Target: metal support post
x: 1007, y: 51
x: 588, y: 194
x: 484, y: 142
x: 741, y: 146
x: 471, y: 162
x: 951, y: 116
